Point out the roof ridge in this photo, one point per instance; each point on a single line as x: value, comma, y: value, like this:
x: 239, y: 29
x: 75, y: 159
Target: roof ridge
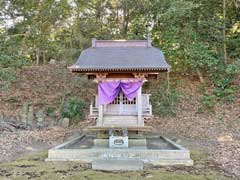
x: 121, y: 43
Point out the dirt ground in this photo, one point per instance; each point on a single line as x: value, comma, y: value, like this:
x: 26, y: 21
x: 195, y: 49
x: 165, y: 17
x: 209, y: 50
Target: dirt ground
x: 33, y: 166
x: 23, y: 153
x: 216, y: 133
x: 15, y: 144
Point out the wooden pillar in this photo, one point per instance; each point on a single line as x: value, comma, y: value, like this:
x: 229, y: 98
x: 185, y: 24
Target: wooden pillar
x: 139, y: 107
x: 101, y: 108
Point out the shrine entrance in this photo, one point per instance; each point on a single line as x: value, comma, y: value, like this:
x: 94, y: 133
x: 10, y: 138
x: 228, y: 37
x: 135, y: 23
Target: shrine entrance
x: 121, y: 106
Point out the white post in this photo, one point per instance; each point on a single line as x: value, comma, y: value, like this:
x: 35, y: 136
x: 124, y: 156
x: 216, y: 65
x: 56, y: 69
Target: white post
x: 105, y: 108
x: 91, y: 109
x: 139, y: 106
x: 100, y: 112
x: 94, y: 42
x: 121, y: 104
x: 100, y: 115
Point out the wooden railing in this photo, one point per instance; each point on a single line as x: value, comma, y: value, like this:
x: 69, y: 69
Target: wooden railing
x: 146, y: 107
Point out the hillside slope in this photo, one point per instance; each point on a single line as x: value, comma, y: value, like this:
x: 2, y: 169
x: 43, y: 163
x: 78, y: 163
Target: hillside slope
x: 215, y: 133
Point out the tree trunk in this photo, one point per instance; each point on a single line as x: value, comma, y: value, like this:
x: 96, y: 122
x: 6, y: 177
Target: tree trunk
x: 117, y: 19
x: 200, y: 76
x: 126, y: 22
x: 125, y: 19
x: 37, y: 57
x: 168, y: 81
x: 224, y: 32
x: 44, y: 57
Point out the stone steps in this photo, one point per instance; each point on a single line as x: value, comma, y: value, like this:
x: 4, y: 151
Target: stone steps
x: 118, y: 165
x: 112, y: 120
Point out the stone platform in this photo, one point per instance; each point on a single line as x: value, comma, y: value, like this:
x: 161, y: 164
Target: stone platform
x: 118, y: 165
x: 155, y: 150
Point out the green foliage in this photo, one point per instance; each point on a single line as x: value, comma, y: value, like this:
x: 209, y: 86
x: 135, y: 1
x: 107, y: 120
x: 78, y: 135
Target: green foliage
x: 7, y: 76
x: 10, y: 55
x: 183, y: 29
x: 164, y: 103
x: 224, y: 89
x: 223, y: 81
x: 10, y: 61
x: 189, y: 32
x: 208, y: 102
x: 50, y: 111
x: 73, y: 108
x: 202, y: 58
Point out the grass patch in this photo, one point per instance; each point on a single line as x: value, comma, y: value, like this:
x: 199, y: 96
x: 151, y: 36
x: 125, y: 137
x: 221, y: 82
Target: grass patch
x: 39, y: 156
x: 33, y: 166
x: 197, y: 155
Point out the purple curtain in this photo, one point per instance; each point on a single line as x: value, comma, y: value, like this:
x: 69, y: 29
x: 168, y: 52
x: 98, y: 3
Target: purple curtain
x: 108, y: 90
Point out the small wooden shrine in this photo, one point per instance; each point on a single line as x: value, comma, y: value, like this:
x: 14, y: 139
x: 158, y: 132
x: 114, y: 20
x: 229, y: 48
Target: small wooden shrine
x: 120, y: 67
x: 120, y: 140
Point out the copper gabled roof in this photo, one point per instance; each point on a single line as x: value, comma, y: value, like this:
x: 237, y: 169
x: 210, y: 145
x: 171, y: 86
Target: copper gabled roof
x: 114, y: 56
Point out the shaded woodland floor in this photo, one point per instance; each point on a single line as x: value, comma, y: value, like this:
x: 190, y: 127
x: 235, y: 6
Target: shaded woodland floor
x: 213, y: 138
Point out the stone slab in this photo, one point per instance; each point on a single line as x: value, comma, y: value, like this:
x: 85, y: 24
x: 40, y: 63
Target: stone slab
x: 130, y: 128
x: 131, y: 142
x: 178, y: 156
x: 118, y: 165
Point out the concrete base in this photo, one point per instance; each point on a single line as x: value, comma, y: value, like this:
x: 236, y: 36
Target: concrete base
x: 131, y: 142
x: 176, y: 155
x: 117, y: 165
